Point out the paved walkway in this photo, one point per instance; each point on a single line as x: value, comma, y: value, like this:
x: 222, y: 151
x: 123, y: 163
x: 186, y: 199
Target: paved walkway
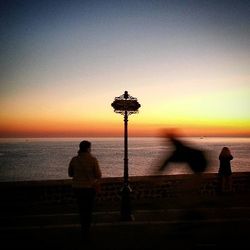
x: 222, y: 222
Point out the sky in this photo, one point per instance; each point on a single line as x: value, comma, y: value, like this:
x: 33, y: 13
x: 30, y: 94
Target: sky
x: 64, y: 62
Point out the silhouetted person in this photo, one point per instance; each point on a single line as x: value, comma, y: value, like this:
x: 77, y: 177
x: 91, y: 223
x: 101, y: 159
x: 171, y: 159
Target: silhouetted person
x: 193, y: 157
x: 225, y: 172
x: 85, y: 170
x: 197, y: 161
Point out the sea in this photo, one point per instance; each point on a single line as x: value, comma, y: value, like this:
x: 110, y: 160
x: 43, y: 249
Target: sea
x: 29, y: 159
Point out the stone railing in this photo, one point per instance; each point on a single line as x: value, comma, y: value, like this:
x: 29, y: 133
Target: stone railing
x: 144, y: 187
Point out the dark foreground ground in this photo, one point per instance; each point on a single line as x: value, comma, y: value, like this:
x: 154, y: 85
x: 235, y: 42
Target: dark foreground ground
x: 219, y: 222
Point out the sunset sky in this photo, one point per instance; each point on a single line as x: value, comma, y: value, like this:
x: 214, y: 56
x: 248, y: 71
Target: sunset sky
x: 64, y: 62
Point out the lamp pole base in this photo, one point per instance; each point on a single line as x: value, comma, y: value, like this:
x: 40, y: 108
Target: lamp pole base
x: 126, y: 213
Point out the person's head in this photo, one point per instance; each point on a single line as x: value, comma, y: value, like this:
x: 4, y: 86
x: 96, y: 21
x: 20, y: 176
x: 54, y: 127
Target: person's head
x: 225, y: 151
x: 84, y: 146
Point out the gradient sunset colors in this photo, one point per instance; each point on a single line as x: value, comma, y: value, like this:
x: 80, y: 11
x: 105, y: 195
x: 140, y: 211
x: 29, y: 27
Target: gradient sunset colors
x: 64, y: 62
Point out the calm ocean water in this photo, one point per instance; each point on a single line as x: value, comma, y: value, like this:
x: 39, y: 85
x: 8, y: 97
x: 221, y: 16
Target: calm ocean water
x: 41, y: 159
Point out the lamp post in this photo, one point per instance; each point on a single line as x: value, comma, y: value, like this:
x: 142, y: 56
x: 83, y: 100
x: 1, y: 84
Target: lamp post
x: 126, y: 105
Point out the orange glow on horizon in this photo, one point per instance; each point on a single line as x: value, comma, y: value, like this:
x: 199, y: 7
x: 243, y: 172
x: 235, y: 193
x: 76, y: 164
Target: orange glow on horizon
x: 90, y: 123
x: 109, y: 129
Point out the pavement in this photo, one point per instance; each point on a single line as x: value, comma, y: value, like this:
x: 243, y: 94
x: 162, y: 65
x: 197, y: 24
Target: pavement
x: 218, y: 222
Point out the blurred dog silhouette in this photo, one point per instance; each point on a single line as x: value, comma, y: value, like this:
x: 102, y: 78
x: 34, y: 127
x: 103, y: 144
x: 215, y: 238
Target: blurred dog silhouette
x: 183, y: 153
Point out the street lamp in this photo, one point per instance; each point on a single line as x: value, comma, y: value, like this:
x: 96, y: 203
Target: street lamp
x: 126, y: 105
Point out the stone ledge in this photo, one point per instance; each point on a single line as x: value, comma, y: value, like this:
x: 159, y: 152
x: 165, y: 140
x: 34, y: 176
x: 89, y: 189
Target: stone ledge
x: 144, y: 188
x: 62, y: 182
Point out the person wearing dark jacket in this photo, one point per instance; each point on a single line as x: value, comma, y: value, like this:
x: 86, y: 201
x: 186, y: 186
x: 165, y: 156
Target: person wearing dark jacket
x: 225, y: 171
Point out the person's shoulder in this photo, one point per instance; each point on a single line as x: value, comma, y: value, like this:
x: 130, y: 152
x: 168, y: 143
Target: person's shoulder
x: 74, y: 158
x: 93, y: 156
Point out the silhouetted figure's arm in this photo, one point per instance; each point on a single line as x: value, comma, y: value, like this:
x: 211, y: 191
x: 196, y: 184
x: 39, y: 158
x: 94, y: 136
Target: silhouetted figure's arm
x: 70, y: 169
x: 178, y: 155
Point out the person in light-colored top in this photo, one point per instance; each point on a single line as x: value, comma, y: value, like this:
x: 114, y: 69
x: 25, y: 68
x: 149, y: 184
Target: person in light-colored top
x: 85, y: 171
